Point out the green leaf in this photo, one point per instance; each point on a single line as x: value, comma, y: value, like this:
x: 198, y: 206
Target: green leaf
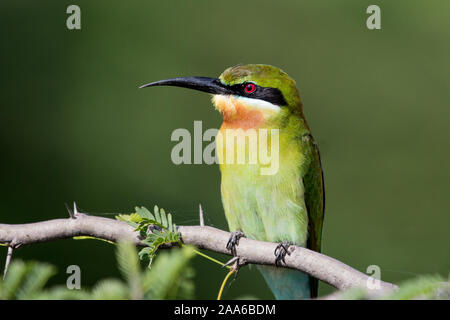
x: 36, y: 278
x: 157, y: 215
x: 144, y: 213
x: 163, y: 218
x: 134, y: 217
x: 110, y: 289
x: 155, y: 238
x: 127, y: 258
x: 169, y: 218
x: 423, y: 287
x: 16, y: 274
x: 170, y: 277
x: 63, y: 293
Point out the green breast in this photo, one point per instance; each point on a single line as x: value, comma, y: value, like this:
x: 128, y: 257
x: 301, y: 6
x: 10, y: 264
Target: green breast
x: 267, y: 207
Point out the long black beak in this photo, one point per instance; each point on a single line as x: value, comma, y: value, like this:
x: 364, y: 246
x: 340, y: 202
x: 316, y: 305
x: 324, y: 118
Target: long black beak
x: 205, y: 84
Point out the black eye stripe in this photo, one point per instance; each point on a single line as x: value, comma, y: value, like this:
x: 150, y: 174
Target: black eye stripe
x: 272, y: 95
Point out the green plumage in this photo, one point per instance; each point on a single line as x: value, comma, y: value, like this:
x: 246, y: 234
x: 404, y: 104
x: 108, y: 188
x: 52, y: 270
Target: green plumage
x: 314, y: 199
x: 286, y: 206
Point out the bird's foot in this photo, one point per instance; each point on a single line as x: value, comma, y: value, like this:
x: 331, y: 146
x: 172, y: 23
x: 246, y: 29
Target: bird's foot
x: 234, y: 241
x: 236, y: 262
x: 280, y: 252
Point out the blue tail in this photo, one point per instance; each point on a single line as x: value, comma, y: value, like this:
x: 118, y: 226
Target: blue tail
x: 286, y: 284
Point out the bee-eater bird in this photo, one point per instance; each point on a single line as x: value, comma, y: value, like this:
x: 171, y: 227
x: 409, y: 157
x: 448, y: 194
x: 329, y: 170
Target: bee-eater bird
x: 286, y: 206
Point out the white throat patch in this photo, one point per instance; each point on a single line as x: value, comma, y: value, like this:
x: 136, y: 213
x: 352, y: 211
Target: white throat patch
x: 260, y: 104
x: 227, y: 100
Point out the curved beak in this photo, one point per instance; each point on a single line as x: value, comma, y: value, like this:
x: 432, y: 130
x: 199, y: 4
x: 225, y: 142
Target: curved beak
x: 205, y: 84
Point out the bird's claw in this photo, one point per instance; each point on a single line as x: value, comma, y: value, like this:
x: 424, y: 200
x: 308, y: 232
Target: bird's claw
x: 234, y: 241
x: 280, y: 252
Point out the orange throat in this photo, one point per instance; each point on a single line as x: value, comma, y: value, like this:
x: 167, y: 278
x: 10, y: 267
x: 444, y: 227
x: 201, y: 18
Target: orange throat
x: 238, y: 113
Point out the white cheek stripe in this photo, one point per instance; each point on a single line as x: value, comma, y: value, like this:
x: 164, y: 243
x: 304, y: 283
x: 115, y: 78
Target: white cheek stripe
x: 258, y: 103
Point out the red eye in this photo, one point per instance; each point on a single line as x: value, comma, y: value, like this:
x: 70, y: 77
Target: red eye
x: 249, y: 87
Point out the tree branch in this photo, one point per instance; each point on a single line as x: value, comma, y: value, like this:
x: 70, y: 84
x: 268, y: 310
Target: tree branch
x: 322, y: 267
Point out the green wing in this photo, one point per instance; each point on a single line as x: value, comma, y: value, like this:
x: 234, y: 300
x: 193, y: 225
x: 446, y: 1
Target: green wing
x: 314, y: 198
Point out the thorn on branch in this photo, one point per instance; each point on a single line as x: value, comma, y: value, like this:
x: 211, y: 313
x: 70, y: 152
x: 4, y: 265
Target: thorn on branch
x: 72, y: 213
x: 69, y: 211
x: 231, y: 261
x: 75, y: 209
x: 236, y: 262
x: 202, y: 220
x: 8, y: 260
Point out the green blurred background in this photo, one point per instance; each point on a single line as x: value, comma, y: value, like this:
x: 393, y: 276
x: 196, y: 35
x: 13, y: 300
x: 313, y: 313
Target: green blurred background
x: 74, y: 126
